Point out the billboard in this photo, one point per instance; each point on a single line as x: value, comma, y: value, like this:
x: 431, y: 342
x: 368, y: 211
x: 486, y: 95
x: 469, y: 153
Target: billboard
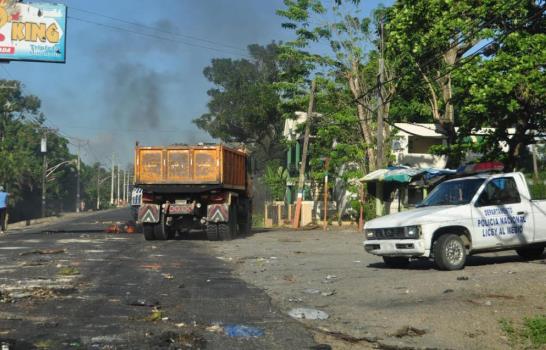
x: 32, y: 32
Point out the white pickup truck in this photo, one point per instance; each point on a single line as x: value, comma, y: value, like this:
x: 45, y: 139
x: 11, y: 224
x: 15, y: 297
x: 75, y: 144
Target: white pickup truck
x: 463, y: 216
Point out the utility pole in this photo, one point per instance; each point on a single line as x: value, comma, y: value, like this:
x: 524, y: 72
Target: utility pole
x: 381, y: 101
x: 98, y: 187
x: 117, y: 197
x: 380, y: 122
x: 112, y: 182
x: 78, y: 181
x: 43, y: 149
x: 301, y: 182
x: 124, y: 191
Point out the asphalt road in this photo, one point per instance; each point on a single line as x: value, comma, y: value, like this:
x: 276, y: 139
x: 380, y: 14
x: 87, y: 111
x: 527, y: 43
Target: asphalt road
x: 70, y: 285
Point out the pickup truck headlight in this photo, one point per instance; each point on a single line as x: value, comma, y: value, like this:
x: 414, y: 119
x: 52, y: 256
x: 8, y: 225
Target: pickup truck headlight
x: 412, y: 231
x: 370, y: 234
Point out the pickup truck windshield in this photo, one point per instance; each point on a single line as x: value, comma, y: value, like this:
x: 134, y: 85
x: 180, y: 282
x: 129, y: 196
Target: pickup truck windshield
x: 452, y: 193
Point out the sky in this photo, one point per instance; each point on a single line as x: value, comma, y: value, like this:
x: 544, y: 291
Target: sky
x: 124, y: 81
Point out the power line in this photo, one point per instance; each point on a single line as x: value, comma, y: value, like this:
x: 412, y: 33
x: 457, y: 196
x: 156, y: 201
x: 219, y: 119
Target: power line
x: 159, y: 37
x: 158, y: 29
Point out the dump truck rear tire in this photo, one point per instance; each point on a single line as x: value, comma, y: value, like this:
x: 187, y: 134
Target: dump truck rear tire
x: 162, y: 231
x: 224, y: 231
x: 212, y: 232
x: 148, y: 230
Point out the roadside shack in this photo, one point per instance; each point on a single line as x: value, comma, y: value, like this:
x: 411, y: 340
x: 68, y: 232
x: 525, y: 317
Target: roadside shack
x: 398, y: 188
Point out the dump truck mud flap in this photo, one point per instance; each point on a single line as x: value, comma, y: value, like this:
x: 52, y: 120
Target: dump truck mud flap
x: 218, y: 212
x: 149, y: 213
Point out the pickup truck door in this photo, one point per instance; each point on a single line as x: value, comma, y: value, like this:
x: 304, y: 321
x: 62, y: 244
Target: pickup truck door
x: 501, y: 216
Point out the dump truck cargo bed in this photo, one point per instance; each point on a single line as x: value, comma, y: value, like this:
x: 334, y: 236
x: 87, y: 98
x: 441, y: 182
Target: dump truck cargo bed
x: 186, y: 167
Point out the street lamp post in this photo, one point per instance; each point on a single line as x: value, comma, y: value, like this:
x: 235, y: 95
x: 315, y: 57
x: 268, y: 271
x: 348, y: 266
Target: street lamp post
x: 43, y: 149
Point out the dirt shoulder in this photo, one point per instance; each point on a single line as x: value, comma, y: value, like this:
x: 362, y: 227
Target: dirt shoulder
x: 373, y: 306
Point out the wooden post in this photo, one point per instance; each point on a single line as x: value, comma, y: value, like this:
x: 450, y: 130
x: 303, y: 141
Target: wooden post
x: 362, y: 201
x: 301, y: 182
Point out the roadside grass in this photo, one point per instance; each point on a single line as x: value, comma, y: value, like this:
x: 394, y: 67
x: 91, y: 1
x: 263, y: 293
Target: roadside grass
x: 531, y: 334
x: 257, y: 221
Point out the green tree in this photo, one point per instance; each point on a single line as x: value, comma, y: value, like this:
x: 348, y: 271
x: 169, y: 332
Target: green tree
x: 433, y: 38
x: 245, y: 103
x: 351, y: 59
x: 507, y: 92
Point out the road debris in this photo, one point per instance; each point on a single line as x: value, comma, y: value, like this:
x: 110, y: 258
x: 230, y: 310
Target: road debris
x: 215, y: 328
x: 167, y: 276
x: 308, y: 314
x: 68, y: 271
x: 409, y: 331
x: 44, y: 252
x: 237, y: 330
x: 328, y: 293
x: 330, y: 279
x: 462, y: 278
x: 295, y: 300
x: 156, y: 315
x: 311, y: 291
x: 144, y: 302
x: 448, y: 291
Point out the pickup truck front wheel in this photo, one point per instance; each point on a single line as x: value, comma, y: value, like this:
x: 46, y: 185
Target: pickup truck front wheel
x: 449, y: 252
x: 530, y: 253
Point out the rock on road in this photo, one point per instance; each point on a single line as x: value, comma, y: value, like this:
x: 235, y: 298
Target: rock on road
x: 70, y: 285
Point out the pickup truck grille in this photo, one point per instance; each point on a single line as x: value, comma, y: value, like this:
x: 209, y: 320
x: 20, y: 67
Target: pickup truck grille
x: 389, y: 233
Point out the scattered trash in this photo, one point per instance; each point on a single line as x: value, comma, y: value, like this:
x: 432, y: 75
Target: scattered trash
x: 208, y: 281
x: 357, y: 261
x: 311, y: 291
x: 156, y: 315
x: 224, y: 258
x: 180, y: 325
x: 68, y: 271
x: 289, y: 278
x: 299, y: 252
x: 144, y: 302
x: 44, y: 252
x: 511, y: 272
x: 172, y: 340
x: 448, y: 291
x: 462, y: 278
x: 152, y: 267
x: 114, y: 228
x: 308, y: 314
x: 409, y: 331
x: 295, y: 300
x: 487, y: 303
x: 330, y: 279
x: 328, y: 293
x: 167, y: 276
x: 215, y: 328
x: 128, y: 227
x: 236, y: 330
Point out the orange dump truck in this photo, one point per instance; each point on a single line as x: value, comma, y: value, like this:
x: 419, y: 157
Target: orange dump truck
x: 193, y: 187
